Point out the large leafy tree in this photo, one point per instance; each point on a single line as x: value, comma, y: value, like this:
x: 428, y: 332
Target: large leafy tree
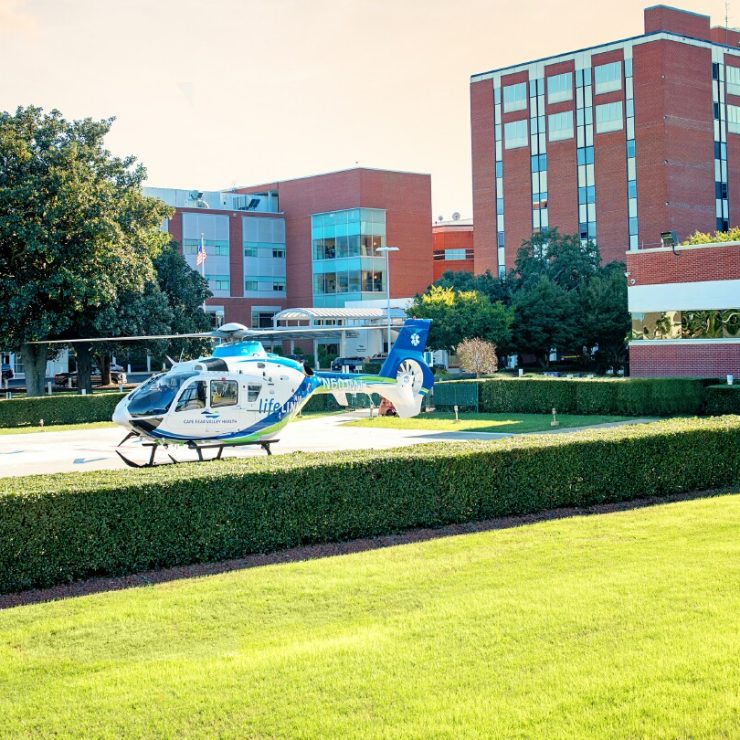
x: 545, y: 318
x: 562, y: 258
x: 604, y: 318
x: 458, y: 315
x: 172, y: 303
x: 496, y: 289
x: 75, y: 232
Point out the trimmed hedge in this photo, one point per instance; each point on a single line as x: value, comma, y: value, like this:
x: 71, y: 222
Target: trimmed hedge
x: 58, y: 409
x: 723, y: 399
x: 616, y: 397
x: 59, y: 528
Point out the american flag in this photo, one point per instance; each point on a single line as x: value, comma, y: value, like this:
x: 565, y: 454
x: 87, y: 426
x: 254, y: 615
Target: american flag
x: 201, y: 258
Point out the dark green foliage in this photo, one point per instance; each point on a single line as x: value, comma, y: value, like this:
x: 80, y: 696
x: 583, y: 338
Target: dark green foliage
x: 58, y: 409
x: 58, y: 528
x: 75, y: 232
x: 723, y: 399
x: 545, y: 317
x: 617, y: 397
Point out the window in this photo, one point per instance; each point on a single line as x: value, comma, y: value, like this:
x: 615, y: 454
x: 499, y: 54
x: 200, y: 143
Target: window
x: 560, y: 87
x: 251, y: 285
x: 278, y: 254
x: 733, y: 80
x: 608, y: 77
x: 454, y: 254
x: 560, y: 126
x: 218, y: 282
x: 278, y: 284
x: 250, y: 251
x: 224, y: 393
x: 515, y: 134
x: 253, y: 392
x: 515, y: 97
x: 733, y: 119
x: 193, y: 397
x: 608, y: 117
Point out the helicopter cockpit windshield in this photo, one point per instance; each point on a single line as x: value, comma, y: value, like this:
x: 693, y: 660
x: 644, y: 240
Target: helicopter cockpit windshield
x: 155, y: 397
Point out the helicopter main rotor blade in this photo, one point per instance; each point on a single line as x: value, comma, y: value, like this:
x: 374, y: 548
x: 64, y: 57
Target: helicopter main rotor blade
x: 199, y: 335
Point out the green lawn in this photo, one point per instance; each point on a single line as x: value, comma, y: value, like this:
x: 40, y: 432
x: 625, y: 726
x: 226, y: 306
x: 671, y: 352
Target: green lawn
x: 620, y: 625
x: 56, y: 428
x: 472, y: 422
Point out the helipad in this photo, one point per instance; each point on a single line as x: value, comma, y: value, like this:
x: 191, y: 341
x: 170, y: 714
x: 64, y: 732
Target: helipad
x: 94, y: 449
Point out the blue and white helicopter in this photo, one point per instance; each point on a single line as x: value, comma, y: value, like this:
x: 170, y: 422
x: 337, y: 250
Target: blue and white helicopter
x: 243, y: 395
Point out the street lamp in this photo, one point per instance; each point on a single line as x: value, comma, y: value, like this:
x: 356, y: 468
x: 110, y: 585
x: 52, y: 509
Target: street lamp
x: 388, y: 286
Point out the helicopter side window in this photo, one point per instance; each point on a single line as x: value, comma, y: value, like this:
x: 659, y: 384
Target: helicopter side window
x: 253, y: 392
x: 193, y: 397
x: 224, y: 393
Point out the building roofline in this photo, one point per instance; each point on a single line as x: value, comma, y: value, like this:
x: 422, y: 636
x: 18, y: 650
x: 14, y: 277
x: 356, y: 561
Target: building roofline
x: 677, y: 10
x: 682, y: 248
x: 480, y: 76
x: 324, y: 174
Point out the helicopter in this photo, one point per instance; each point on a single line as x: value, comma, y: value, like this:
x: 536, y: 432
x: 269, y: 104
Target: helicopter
x: 244, y: 395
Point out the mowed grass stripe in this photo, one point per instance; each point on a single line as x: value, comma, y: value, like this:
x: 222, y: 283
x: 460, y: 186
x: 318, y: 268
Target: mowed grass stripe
x: 621, y: 625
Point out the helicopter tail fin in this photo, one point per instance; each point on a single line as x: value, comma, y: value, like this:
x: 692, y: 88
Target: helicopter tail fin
x: 406, y: 365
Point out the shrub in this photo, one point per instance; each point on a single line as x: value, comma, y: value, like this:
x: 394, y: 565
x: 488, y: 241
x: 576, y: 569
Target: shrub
x: 723, y: 399
x: 58, y: 409
x: 627, y: 397
x: 58, y: 528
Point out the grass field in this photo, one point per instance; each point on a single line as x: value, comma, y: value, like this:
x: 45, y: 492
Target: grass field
x: 472, y: 422
x: 619, y: 625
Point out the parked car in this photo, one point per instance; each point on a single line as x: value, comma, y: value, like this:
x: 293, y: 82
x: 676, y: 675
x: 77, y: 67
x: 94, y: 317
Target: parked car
x: 117, y: 376
x: 7, y: 372
x: 63, y: 379
x: 353, y: 363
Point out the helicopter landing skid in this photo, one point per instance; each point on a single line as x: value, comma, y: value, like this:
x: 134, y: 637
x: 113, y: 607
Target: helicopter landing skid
x: 265, y: 445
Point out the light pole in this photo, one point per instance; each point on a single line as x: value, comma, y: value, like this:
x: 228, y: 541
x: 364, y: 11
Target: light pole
x: 388, y: 286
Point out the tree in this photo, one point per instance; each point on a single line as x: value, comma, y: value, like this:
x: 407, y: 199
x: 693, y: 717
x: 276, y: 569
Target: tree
x: 545, y: 318
x: 494, y: 288
x: 170, y: 304
x: 458, y: 315
x: 75, y: 232
x: 564, y: 259
x: 477, y: 356
x: 604, y: 318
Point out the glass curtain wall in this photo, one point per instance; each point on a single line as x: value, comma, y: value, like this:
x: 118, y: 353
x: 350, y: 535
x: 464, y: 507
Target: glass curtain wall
x: 346, y: 263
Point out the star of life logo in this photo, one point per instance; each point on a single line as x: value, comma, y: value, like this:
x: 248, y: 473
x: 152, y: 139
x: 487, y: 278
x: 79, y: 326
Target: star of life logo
x: 415, y: 339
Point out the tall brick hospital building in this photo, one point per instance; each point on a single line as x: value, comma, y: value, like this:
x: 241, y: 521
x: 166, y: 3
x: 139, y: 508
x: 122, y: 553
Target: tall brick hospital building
x: 625, y: 143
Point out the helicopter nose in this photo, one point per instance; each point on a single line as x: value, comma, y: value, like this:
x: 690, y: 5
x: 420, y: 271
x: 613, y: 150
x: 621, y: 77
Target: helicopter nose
x: 120, y: 414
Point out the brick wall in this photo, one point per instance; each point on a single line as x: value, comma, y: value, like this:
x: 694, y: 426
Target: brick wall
x: 701, y: 360
x: 484, y: 175
x: 406, y: 198
x: 694, y: 264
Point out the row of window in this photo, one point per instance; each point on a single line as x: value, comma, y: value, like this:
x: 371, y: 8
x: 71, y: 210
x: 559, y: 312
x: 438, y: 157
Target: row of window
x: 356, y: 245
x: 607, y: 78
x: 560, y: 125
x: 453, y: 255
x: 265, y: 250
x: 222, y: 393
x: 353, y: 281
x: 266, y: 284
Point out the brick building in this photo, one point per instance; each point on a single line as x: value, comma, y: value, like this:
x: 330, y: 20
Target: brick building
x: 685, y: 305
x: 307, y: 242
x: 619, y: 142
x: 452, y: 246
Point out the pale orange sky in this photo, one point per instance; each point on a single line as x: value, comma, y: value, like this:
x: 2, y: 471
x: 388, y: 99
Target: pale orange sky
x: 211, y: 93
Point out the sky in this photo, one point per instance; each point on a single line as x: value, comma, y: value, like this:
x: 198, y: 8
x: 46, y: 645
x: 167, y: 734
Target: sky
x: 209, y: 94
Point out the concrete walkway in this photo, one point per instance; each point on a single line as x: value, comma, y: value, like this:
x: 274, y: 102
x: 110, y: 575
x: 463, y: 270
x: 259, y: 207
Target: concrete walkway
x: 94, y: 449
